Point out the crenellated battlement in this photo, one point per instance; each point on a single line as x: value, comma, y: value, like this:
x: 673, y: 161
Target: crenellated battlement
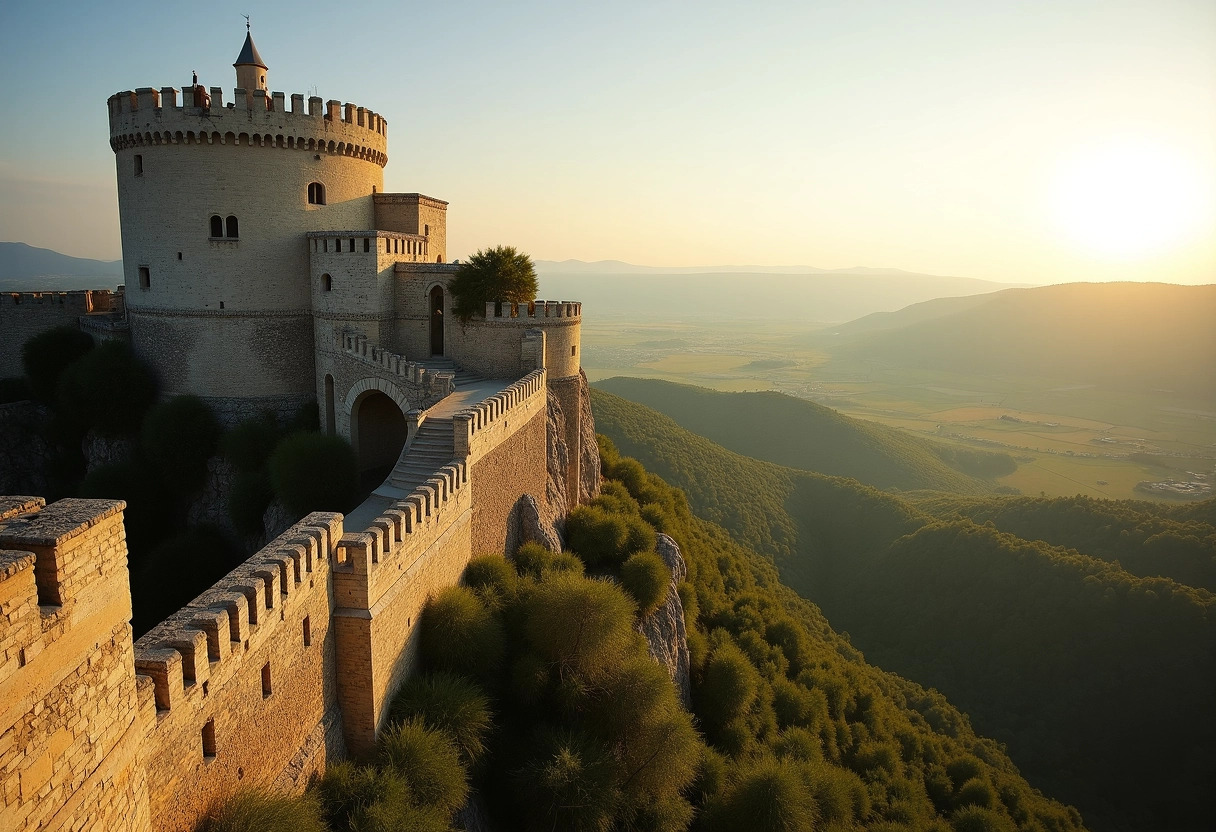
x: 488, y: 422
x: 360, y: 349
x: 85, y: 301
x: 198, y: 649
x: 148, y: 117
x: 371, y: 560
x: 532, y: 311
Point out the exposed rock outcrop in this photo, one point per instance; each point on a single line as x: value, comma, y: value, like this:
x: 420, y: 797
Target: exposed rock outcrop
x: 538, y: 524
x: 210, y: 506
x: 589, y: 449
x: 557, y: 458
x: 102, y: 450
x: 24, y: 451
x: 664, y: 628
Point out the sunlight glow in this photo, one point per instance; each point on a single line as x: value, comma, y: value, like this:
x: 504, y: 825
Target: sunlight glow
x: 1129, y: 199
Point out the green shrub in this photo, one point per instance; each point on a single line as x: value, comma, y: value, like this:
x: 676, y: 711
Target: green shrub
x: 964, y: 768
x: 639, y: 537
x: 583, y: 626
x: 646, y: 578
x: 429, y: 761
x: 313, y: 472
x: 656, y: 517
x: 460, y: 635
x: 150, y: 516
x: 976, y: 792
x: 45, y: 356
x: 248, y: 446
x: 595, y: 535
x: 533, y: 559
x: 979, y: 819
x: 490, y: 571
x: 493, y: 274
x: 445, y: 702
x: 571, y: 782
x: 307, y: 418
x: 792, y: 703
x: 107, y: 389
x: 767, y: 797
x: 729, y: 684
x: 16, y: 389
x: 178, y: 437
x: 256, y: 811
x: 348, y: 792
x: 248, y: 500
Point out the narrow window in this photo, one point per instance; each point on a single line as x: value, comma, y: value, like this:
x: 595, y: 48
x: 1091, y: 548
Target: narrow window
x: 139, y: 164
x: 233, y: 232
x: 266, y: 680
x: 316, y: 193
x: 179, y: 255
x: 572, y: 350
x: 351, y: 247
x: 221, y: 304
x: 338, y: 246
x: 367, y: 244
x: 209, y: 739
x: 307, y: 632
x: 217, y: 226
x: 145, y: 278
x: 326, y: 244
x: 326, y: 283
x: 426, y: 231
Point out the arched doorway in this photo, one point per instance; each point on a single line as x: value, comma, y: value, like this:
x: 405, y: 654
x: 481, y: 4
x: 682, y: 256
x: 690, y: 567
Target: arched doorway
x: 437, y: 320
x: 378, y: 431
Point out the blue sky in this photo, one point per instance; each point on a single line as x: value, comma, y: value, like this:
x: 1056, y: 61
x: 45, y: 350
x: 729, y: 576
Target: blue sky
x: 1030, y: 141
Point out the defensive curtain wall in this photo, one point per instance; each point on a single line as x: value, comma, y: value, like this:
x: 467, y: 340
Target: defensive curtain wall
x: 26, y: 314
x: 286, y: 664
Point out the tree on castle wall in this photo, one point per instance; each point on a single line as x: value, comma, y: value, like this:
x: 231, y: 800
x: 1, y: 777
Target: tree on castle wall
x: 492, y: 275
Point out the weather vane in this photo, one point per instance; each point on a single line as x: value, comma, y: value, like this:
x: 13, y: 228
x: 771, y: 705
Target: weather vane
x: 246, y: 21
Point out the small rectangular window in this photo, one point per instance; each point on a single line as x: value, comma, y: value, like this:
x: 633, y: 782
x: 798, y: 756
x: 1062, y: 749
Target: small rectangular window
x: 209, y: 739
x: 572, y: 349
x: 139, y: 164
x: 307, y: 631
x: 352, y: 244
x: 266, y: 680
x: 367, y: 244
x: 145, y: 278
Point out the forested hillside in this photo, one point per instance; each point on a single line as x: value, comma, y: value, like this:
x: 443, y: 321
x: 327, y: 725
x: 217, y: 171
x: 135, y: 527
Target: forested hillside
x: 1098, y: 681
x: 1146, y: 539
x: 801, y: 434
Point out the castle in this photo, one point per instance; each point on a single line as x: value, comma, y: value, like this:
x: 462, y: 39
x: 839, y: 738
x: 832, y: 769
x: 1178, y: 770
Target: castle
x: 266, y: 267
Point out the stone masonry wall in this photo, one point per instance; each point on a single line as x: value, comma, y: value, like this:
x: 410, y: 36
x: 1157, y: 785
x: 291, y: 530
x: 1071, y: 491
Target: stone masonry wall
x: 72, y: 728
x: 26, y: 314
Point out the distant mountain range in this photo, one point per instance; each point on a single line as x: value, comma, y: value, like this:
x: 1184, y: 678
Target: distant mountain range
x: 612, y: 289
x: 26, y: 268
x: 1148, y: 337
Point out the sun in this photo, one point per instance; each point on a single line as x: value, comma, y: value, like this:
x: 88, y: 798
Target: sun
x: 1128, y: 199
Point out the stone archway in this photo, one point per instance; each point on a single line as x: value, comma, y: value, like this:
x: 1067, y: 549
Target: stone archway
x: 378, y: 430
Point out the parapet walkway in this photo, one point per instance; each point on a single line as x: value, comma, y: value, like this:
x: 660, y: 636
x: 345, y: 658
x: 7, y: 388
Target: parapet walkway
x: 428, y: 450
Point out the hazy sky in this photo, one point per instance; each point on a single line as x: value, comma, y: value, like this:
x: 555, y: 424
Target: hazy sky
x: 1021, y: 141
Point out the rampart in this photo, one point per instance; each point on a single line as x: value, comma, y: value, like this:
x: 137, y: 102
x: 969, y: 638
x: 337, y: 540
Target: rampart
x: 285, y: 665
x: 148, y: 117
x: 495, y: 346
x: 26, y: 314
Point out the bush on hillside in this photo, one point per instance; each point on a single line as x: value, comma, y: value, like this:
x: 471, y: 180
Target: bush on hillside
x: 536, y: 561
x: 646, y: 578
x: 151, y: 514
x: 490, y: 573
x: 602, y: 538
x: 728, y: 684
x: 493, y: 274
x: 45, y: 356
x: 449, y: 703
x: 258, y: 811
x: 248, y: 446
x: 15, y: 389
x: 768, y: 796
x: 313, y: 472
x: 583, y: 626
x: 250, y: 496
x: 461, y: 635
x: 107, y: 389
x: 429, y: 761
x: 177, y: 438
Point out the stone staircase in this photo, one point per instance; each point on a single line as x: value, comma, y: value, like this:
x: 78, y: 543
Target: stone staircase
x: 431, y: 448
x: 442, y: 365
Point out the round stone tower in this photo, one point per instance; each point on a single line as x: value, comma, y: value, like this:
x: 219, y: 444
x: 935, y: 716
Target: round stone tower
x: 215, y: 200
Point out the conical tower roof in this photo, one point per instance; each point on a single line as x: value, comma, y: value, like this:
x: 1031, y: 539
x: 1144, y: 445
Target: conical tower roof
x: 249, y: 54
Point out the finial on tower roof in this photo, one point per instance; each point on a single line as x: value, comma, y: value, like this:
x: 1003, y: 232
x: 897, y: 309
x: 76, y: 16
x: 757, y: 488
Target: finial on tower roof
x: 249, y: 53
